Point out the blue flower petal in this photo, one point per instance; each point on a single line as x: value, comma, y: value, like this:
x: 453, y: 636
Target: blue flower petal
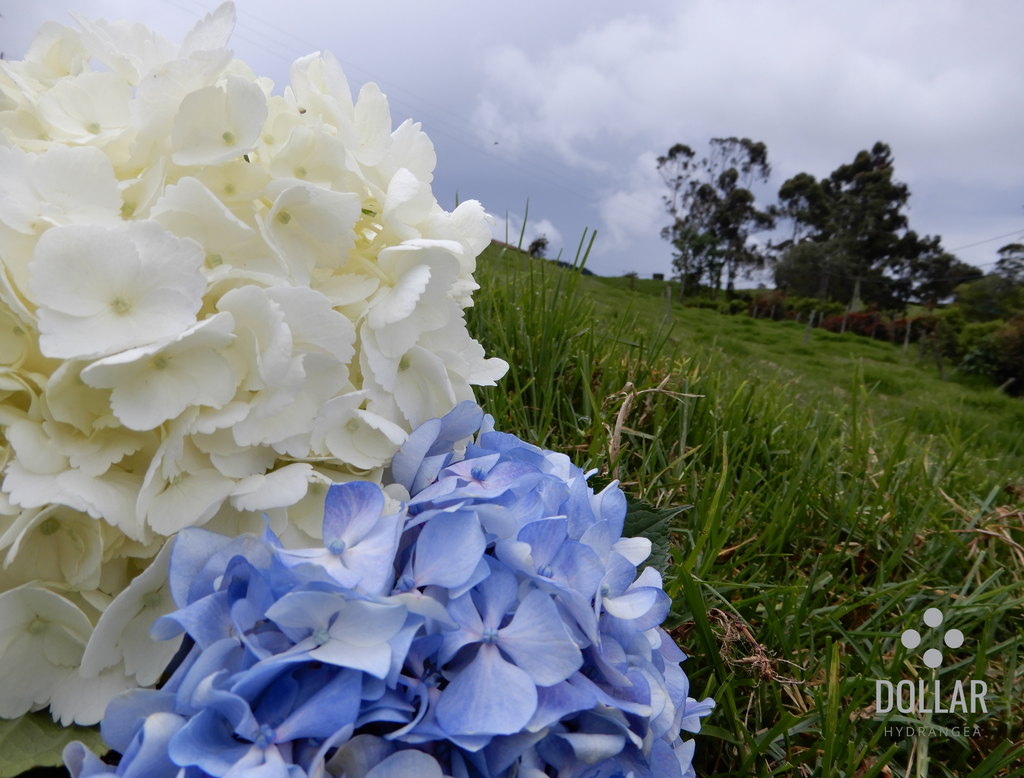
x: 207, y: 620
x: 207, y: 742
x: 471, y: 628
x: 250, y: 547
x: 127, y: 712
x: 695, y: 711
x: 593, y: 748
x: 538, y: 642
x: 611, y: 507
x: 350, y: 511
x: 619, y: 574
x: 400, y: 643
x: 264, y: 763
x: 578, y: 567
x: 489, y: 697
x: 448, y: 549
x: 459, y: 423
x: 232, y: 708
x: 578, y: 509
x: 333, y: 706
x: 223, y: 655
x: 277, y: 700
x: 499, y: 592
x: 147, y: 756
x: 83, y: 763
x: 429, y: 468
x: 545, y: 538
x: 193, y: 548
x: 556, y: 702
x: 407, y: 460
x: 305, y: 612
x: 503, y: 751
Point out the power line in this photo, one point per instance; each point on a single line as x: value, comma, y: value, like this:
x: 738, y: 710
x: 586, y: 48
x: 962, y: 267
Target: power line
x: 988, y: 240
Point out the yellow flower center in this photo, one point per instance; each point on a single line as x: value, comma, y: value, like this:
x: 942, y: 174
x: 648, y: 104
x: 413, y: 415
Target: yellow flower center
x: 121, y: 305
x: 93, y: 127
x: 403, y: 363
x: 300, y: 172
x: 214, y: 260
x: 353, y: 425
x: 229, y: 137
x: 152, y: 600
x: 36, y: 627
x: 161, y: 362
x: 229, y: 189
x: 284, y: 217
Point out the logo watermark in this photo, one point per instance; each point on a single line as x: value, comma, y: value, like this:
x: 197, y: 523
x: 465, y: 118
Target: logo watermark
x: 965, y: 696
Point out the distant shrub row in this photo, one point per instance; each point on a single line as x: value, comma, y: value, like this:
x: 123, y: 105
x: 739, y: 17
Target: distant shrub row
x: 993, y: 349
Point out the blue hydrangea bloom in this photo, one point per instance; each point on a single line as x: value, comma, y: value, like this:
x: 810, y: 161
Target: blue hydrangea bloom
x: 495, y: 626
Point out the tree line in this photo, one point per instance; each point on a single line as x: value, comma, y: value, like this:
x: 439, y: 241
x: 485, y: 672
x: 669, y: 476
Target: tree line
x: 849, y: 236
x: 846, y: 239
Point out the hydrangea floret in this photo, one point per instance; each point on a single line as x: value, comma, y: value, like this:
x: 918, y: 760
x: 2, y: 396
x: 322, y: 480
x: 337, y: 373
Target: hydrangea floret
x: 494, y: 625
x: 215, y: 302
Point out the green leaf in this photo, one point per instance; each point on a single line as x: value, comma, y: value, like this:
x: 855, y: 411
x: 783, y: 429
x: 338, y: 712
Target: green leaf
x: 655, y: 524
x: 34, y: 740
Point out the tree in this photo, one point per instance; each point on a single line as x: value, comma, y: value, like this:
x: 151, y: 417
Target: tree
x: 806, y: 268
x: 935, y: 274
x: 696, y: 255
x: 802, y: 199
x: 713, y: 211
x: 989, y: 298
x: 858, y: 213
x: 538, y: 248
x: 998, y: 295
x: 1010, y: 264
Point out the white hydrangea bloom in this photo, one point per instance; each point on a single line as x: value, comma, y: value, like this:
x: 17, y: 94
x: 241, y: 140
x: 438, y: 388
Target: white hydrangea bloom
x: 42, y: 638
x: 155, y: 383
x: 214, y: 302
x: 106, y: 290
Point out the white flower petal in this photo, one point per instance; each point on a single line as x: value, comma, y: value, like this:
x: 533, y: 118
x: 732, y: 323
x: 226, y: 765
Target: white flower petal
x: 217, y: 125
x: 157, y: 382
x: 278, y: 489
x: 42, y: 636
x: 143, y: 602
x: 102, y: 291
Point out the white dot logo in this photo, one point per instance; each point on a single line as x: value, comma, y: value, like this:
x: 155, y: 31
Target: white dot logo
x: 953, y: 638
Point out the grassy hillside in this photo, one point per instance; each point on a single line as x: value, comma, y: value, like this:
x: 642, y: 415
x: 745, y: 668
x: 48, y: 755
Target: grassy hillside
x: 822, y: 513
x: 898, y: 382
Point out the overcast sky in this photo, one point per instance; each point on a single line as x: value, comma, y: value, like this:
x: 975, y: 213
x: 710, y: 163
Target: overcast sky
x: 569, y: 104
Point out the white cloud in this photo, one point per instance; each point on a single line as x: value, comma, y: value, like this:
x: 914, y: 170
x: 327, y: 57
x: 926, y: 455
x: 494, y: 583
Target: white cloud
x: 534, y: 229
x: 816, y: 82
x: 636, y: 210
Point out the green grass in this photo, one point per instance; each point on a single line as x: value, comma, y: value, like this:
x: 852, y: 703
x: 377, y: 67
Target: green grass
x: 837, y: 492
x: 771, y: 348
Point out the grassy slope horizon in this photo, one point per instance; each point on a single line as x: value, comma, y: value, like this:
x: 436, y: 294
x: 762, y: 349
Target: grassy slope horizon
x: 899, y: 381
